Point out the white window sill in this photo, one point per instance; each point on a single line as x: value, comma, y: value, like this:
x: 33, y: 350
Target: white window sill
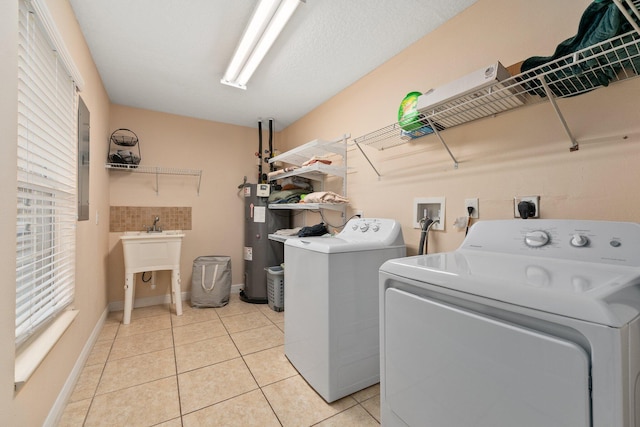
x: 28, y: 360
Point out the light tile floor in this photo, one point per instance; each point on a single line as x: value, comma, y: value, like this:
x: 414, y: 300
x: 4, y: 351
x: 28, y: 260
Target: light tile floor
x: 208, y: 367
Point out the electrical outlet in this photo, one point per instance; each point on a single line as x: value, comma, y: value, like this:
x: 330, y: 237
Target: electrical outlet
x: 533, y: 199
x: 359, y: 213
x: 473, y: 203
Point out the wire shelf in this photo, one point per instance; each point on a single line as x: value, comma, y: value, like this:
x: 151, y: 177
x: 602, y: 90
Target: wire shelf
x: 156, y: 170
x: 337, y: 150
x: 153, y: 169
x: 599, y: 65
x: 309, y: 206
x: 317, y: 148
x: 314, y: 171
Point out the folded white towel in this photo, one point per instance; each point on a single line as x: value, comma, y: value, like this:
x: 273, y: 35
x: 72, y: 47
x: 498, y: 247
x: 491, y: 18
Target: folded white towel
x: 324, y: 197
x: 288, y: 231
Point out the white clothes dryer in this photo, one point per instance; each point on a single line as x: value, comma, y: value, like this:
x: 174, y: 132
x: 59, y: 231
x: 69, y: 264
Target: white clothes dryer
x: 529, y: 323
x: 331, y: 324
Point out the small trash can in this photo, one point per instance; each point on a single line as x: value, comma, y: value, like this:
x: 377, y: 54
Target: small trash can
x: 211, y: 281
x: 275, y: 288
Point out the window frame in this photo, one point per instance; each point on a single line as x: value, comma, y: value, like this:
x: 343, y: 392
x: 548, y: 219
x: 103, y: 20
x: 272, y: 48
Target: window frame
x: 47, y: 188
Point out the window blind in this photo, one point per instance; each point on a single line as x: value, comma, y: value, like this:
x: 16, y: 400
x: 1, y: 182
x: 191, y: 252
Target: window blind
x: 46, y: 193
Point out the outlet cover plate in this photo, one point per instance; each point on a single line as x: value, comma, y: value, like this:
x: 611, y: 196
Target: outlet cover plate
x: 534, y: 199
x: 473, y: 202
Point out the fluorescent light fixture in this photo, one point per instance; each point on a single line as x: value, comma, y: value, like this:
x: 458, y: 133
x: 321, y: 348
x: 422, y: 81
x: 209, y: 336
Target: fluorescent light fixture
x: 265, y: 25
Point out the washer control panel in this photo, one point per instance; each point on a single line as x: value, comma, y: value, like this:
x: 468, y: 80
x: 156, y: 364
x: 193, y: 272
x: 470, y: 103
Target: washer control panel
x: 365, y: 226
x: 579, y: 240
x: 379, y: 229
x: 536, y: 238
x: 595, y: 241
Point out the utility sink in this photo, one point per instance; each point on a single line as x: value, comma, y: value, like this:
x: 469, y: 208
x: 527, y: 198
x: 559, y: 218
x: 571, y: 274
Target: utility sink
x: 151, y: 251
x: 145, y: 251
x: 133, y: 234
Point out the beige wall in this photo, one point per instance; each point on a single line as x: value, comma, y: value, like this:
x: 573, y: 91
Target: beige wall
x: 523, y: 152
x: 224, y: 153
x: 519, y: 153
x: 31, y: 405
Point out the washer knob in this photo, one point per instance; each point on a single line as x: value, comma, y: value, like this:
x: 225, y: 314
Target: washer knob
x: 354, y: 227
x: 579, y: 240
x: 536, y: 239
x: 364, y: 227
x: 375, y: 227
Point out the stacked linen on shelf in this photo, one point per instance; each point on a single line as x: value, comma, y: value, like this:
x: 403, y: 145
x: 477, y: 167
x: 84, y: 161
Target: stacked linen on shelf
x: 287, y: 196
x: 316, y: 159
x: 324, y: 197
x: 273, y: 174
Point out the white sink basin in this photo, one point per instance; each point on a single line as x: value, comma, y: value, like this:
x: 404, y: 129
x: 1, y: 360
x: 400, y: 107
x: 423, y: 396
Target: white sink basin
x: 151, y: 251
x: 153, y: 234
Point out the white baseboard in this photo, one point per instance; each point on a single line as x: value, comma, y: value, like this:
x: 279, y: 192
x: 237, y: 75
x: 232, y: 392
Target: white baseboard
x: 61, y: 402
x: 148, y: 301
x: 162, y: 299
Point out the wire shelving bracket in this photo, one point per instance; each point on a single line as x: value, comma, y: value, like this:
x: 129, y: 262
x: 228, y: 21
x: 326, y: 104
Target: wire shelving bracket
x: 601, y: 64
x: 157, y: 170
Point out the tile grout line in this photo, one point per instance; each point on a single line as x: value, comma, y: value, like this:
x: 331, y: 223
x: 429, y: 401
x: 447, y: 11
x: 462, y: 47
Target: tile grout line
x: 253, y: 376
x: 175, y: 361
x: 104, y: 367
x: 272, y: 321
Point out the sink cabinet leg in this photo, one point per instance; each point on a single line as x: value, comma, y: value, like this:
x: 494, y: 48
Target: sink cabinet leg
x: 129, y: 284
x: 175, y: 286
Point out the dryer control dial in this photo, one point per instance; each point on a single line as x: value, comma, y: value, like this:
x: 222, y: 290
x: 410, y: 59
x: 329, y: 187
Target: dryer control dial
x: 536, y: 239
x: 579, y: 240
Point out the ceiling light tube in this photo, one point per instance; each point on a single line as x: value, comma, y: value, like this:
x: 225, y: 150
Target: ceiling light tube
x: 265, y: 25
x: 257, y: 24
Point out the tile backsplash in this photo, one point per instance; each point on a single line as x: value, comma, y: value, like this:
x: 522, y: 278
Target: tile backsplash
x: 138, y: 218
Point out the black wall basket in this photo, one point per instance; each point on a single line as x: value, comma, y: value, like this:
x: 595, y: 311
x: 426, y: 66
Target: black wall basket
x: 121, y: 145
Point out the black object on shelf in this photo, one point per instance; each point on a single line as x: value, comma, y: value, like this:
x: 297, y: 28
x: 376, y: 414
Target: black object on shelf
x: 123, y: 138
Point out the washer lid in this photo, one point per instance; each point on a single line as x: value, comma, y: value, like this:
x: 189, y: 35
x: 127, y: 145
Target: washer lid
x: 600, y: 293
x: 330, y: 245
x: 358, y: 234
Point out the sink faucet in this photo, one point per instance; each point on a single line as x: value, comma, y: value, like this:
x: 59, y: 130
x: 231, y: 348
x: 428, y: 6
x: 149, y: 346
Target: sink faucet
x: 155, y: 227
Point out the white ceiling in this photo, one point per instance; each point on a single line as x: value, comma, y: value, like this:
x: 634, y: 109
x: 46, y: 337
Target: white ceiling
x: 169, y: 55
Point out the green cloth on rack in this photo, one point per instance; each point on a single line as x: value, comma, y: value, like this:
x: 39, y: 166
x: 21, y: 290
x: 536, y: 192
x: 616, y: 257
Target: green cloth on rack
x: 287, y: 196
x: 601, y: 21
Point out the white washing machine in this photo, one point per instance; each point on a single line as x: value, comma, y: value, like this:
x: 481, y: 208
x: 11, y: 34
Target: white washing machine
x: 529, y: 323
x: 331, y: 330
